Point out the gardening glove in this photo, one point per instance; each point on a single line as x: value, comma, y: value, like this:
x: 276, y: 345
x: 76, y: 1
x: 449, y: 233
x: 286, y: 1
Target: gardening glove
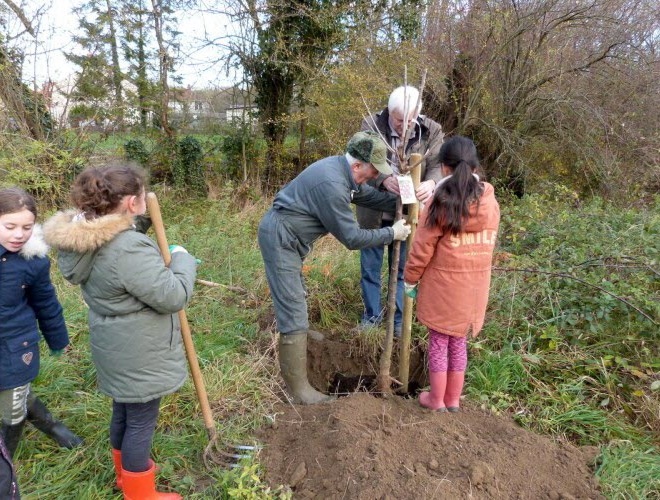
x: 401, y: 230
x: 177, y: 248
x: 410, y: 290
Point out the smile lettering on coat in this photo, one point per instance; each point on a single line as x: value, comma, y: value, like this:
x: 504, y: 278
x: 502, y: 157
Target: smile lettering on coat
x: 485, y: 237
x: 27, y: 357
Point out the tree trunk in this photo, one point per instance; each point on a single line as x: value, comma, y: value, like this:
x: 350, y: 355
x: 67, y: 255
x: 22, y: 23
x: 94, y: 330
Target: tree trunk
x: 142, y: 82
x: 384, y: 380
x: 116, y: 69
x: 22, y: 103
x: 404, y: 346
x: 163, y: 68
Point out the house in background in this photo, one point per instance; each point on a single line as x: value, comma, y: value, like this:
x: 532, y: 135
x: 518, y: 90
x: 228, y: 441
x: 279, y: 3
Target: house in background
x: 242, y: 114
x: 189, y: 108
x: 201, y: 109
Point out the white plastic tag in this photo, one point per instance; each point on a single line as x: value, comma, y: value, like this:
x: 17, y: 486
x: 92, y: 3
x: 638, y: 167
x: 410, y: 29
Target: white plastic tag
x: 406, y: 189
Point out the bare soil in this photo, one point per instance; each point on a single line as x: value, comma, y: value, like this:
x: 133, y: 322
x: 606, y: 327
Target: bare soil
x: 365, y: 446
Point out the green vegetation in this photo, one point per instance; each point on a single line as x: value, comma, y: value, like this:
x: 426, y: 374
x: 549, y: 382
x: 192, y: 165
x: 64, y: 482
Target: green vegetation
x: 571, y: 345
x: 188, y: 168
x: 562, y: 357
x: 559, y: 98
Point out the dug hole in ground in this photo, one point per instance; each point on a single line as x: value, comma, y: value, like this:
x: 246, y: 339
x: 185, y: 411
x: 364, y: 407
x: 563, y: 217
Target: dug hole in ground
x: 364, y: 446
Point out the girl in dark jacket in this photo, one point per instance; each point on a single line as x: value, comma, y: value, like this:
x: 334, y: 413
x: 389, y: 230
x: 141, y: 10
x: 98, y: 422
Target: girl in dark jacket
x: 27, y: 304
x: 133, y: 299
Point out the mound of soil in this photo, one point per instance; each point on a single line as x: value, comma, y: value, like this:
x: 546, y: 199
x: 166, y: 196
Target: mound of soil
x: 368, y: 447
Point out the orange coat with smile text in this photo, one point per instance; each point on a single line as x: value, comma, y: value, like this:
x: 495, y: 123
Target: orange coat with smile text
x: 454, y: 271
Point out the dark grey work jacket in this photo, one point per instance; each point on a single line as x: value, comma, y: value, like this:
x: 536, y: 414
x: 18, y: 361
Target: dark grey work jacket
x: 318, y: 201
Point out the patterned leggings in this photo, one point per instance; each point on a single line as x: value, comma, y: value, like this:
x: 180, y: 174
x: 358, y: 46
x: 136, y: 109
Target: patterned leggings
x: 447, y: 353
x: 13, y: 404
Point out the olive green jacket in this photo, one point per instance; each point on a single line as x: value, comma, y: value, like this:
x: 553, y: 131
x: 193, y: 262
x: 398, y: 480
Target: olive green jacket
x: 132, y: 297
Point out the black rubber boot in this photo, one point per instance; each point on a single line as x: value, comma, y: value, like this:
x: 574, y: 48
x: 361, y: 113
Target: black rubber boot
x: 11, y: 435
x: 42, y: 419
x: 293, y: 364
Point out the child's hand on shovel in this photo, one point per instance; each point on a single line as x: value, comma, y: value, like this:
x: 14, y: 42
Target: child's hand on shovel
x: 179, y: 248
x: 410, y: 290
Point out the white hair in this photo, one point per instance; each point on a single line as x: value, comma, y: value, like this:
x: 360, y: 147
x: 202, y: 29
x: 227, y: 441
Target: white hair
x: 398, y: 99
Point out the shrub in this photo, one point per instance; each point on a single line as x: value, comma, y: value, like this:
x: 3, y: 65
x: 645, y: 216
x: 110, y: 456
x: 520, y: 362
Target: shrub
x: 188, y: 167
x: 41, y: 168
x: 135, y: 150
x: 241, y: 151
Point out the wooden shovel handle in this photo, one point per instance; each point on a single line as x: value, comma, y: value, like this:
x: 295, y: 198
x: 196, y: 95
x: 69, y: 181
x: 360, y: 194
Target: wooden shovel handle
x: 202, y: 396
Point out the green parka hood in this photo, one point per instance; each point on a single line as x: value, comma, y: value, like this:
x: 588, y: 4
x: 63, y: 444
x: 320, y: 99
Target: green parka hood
x: 133, y: 299
x: 78, y: 239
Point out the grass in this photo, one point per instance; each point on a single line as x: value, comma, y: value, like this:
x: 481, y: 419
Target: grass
x: 637, y: 471
x: 562, y: 359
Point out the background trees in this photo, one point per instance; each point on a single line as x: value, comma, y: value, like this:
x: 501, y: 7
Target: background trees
x: 126, y: 55
x: 539, y: 84
x: 553, y: 91
x: 282, y: 45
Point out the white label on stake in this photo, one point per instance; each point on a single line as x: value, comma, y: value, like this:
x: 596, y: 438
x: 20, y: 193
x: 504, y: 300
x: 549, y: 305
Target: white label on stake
x: 406, y: 189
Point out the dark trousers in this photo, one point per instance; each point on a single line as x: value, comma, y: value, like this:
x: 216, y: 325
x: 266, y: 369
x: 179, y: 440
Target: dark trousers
x: 131, y: 430
x: 281, y: 252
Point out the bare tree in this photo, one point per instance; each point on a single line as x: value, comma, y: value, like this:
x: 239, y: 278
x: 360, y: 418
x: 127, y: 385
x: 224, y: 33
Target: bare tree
x: 117, y: 75
x: 23, y: 104
x: 159, y: 11
x: 281, y: 46
x: 524, y: 78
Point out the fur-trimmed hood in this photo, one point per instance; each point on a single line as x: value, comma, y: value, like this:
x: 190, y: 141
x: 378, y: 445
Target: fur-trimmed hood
x: 70, y: 231
x: 77, y: 240
x: 35, y: 246
x: 133, y: 299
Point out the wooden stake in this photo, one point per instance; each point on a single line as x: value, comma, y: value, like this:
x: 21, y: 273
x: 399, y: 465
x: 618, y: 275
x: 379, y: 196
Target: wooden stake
x: 404, y: 344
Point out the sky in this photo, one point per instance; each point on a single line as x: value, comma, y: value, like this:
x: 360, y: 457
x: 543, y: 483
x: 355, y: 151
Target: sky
x: 45, y: 56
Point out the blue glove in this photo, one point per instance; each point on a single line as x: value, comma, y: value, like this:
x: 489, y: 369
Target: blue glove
x: 410, y: 290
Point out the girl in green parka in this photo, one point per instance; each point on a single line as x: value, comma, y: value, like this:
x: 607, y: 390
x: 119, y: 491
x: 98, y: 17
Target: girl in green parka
x: 133, y: 299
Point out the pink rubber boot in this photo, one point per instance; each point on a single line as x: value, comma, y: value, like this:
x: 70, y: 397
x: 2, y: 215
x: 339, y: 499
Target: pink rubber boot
x: 434, y: 399
x: 453, y: 391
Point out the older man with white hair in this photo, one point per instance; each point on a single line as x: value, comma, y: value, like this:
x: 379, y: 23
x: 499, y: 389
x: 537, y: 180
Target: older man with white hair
x: 424, y: 137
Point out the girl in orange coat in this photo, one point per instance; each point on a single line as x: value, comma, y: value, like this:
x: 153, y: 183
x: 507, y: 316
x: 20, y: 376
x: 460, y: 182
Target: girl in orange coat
x: 449, y: 269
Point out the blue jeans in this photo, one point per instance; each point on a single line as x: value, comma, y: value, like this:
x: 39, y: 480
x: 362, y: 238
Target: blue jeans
x: 371, y: 263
